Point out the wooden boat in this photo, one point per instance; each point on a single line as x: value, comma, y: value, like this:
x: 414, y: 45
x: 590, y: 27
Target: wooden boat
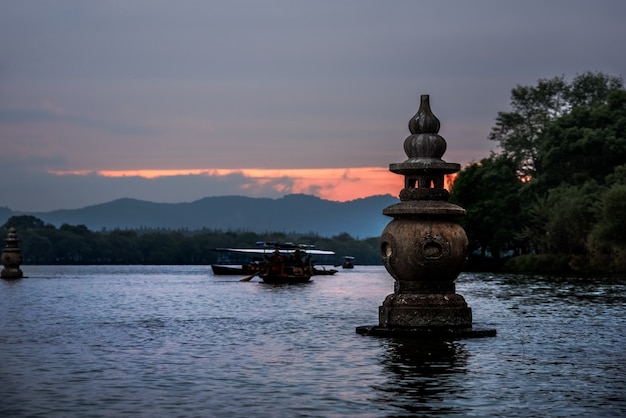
x: 295, y: 264
x: 281, y: 271
x: 232, y: 262
x: 347, y: 262
x: 251, y: 268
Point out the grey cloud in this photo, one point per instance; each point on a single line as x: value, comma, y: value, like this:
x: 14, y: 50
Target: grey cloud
x: 155, y: 84
x: 39, y: 191
x: 24, y: 116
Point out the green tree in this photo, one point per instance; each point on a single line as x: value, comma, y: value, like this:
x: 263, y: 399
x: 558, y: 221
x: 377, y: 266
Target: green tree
x: 36, y: 249
x: 607, y: 240
x: 519, y: 130
x: 611, y: 227
x: 570, y: 213
x: 24, y: 222
x: 71, y: 248
x: 121, y: 247
x: 489, y: 192
x: 592, y: 89
x: 534, y: 108
x: 617, y: 177
x: 162, y: 248
x: 80, y: 230
x: 585, y: 144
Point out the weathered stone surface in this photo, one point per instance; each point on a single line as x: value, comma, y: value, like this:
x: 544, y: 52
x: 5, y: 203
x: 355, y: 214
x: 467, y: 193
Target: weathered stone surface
x: 425, y: 310
x: 426, y: 333
x: 423, y: 247
x: 424, y: 250
x: 424, y: 209
x: 11, y: 257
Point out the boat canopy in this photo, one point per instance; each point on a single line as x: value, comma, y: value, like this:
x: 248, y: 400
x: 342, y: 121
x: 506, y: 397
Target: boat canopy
x: 283, y: 248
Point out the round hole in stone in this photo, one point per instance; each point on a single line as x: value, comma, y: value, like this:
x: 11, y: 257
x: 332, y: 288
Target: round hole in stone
x: 386, y: 249
x: 432, y: 250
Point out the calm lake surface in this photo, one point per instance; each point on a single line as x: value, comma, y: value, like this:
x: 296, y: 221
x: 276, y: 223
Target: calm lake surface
x: 176, y: 341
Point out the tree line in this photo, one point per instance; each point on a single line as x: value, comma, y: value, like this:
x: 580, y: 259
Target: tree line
x: 43, y: 243
x: 553, y: 198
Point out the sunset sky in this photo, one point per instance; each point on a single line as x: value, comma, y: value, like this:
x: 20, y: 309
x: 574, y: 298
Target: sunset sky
x: 173, y: 101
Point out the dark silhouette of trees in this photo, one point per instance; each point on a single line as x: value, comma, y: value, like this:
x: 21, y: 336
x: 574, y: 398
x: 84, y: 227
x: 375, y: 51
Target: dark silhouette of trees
x: 520, y: 132
x: 75, y: 244
x: 565, y: 143
x: 490, y: 193
x: 553, y: 199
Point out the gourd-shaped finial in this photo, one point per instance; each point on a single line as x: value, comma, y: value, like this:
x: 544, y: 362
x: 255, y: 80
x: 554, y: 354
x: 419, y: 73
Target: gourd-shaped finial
x: 424, y: 143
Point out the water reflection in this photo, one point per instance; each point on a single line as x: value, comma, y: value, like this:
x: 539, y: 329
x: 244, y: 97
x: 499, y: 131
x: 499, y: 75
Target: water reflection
x: 170, y: 341
x: 422, y: 375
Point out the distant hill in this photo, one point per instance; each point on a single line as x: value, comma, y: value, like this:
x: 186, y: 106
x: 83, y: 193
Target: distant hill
x: 361, y: 218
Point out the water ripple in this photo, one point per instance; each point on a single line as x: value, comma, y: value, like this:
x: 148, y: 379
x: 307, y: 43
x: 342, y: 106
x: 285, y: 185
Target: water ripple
x: 175, y: 341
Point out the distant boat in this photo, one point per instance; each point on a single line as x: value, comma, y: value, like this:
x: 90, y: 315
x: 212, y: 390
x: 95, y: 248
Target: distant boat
x: 233, y: 263
x: 347, y: 262
x: 281, y: 263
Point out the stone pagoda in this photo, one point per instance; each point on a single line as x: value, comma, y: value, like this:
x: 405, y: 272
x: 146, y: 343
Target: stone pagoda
x: 423, y: 247
x: 11, y: 257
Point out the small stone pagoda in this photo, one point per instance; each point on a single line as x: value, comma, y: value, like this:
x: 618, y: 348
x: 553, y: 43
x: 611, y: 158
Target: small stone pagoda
x: 423, y: 247
x: 11, y: 257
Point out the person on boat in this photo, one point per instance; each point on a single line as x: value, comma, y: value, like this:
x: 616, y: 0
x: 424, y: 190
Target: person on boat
x: 277, y: 262
x: 297, y: 255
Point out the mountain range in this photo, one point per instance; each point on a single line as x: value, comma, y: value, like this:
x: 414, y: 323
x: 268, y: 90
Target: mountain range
x: 295, y: 213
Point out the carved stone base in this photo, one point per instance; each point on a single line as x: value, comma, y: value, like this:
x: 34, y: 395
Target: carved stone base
x: 425, y: 311
x: 424, y: 333
x: 11, y: 273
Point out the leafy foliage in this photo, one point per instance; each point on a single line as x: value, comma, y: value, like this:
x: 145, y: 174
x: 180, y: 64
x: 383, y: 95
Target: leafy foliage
x: 75, y: 244
x: 586, y: 144
x: 566, y: 143
x: 554, y: 197
x: 520, y: 131
x: 570, y: 214
x: 489, y: 190
x: 607, y: 240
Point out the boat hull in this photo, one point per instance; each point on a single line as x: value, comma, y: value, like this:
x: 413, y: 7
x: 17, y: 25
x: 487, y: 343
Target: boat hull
x: 286, y: 275
x: 323, y: 272
x: 246, y: 269
x: 288, y: 279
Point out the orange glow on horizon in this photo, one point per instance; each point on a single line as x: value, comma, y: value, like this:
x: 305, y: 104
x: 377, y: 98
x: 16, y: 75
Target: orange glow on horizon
x: 336, y: 184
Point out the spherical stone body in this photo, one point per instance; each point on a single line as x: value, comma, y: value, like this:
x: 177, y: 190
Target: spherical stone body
x: 427, y: 249
x: 11, y: 258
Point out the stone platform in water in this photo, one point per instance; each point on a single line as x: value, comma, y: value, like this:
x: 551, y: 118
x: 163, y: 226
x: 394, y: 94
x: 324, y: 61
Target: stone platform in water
x: 421, y: 332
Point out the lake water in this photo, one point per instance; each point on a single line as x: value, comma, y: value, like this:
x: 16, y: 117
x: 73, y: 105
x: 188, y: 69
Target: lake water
x: 176, y: 341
